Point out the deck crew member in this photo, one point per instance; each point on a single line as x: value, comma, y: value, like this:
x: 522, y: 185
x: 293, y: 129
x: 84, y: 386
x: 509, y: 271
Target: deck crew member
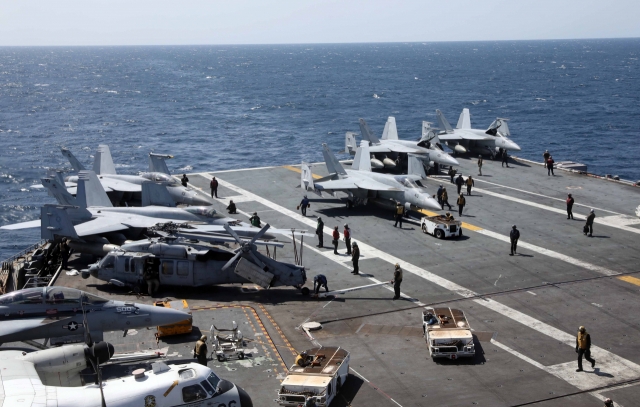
x: 470, y: 184
x: 588, y: 228
x: 444, y: 198
x: 320, y: 281
x: 546, y: 156
x: 232, y: 207
x: 399, y: 214
x: 336, y: 239
x: 448, y: 217
x: 459, y: 182
x: 461, y: 203
x: 583, y: 347
x: 514, y: 235
x: 397, y: 280
x: 505, y: 158
x: 550, y: 166
x: 608, y: 403
x: 480, y: 162
x: 320, y: 232
x: 355, y: 256
x: 570, y: 202
x: 200, y: 350
x: 65, y: 252
x: 151, y: 276
x: 303, y: 359
x: 255, y: 220
x: 347, y: 238
x: 214, y: 187
x: 452, y: 173
x: 184, y: 180
x: 304, y: 204
x: 439, y: 194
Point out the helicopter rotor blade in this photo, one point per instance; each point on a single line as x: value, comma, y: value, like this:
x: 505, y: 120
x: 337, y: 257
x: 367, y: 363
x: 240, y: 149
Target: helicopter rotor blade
x: 232, y: 260
x: 260, y: 233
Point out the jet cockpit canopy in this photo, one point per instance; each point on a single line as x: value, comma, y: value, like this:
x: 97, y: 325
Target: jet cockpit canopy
x: 207, y: 211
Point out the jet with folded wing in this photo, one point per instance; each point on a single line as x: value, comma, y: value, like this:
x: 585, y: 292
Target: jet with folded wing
x: 388, y: 151
x: 361, y: 185
x: 463, y: 138
x: 128, y: 188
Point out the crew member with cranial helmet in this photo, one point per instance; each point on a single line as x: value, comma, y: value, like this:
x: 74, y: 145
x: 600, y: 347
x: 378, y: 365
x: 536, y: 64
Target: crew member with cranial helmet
x: 303, y: 359
x: 583, y: 347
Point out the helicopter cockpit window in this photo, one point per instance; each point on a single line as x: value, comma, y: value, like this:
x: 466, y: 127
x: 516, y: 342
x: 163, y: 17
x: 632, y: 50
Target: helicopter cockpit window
x: 193, y: 393
x: 62, y: 295
x: 28, y: 296
x: 108, y: 262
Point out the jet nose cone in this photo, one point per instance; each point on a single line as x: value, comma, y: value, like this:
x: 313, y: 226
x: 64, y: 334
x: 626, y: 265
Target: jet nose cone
x: 510, y: 145
x: 202, y: 200
x: 430, y: 203
x: 160, y: 316
x: 443, y: 158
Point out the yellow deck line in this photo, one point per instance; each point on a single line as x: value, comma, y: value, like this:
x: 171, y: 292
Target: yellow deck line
x: 629, y: 279
x: 299, y: 171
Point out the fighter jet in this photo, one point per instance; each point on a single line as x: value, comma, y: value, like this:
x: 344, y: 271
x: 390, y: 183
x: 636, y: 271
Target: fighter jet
x: 386, y: 152
x: 361, y: 185
x: 464, y: 139
x: 185, y: 262
x: 128, y: 188
x: 53, y: 312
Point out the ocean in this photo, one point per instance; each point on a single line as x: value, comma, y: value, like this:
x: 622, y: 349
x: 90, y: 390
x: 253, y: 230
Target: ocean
x: 226, y: 107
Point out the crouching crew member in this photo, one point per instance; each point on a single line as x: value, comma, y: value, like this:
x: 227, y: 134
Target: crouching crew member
x: 320, y: 281
x: 303, y: 359
x: 232, y: 207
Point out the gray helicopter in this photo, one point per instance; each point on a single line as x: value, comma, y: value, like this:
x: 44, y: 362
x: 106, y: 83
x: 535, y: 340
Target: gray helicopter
x: 195, y: 260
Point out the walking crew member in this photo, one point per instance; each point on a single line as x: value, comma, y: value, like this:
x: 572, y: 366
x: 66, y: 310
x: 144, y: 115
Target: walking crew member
x: 583, y: 347
x: 470, y: 184
x: 546, y: 156
x: 570, y: 202
x: 347, y: 238
x: 200, y: 350
x: 320, y: 232
x: 397, y: 280
x: 505, y: 158
x: 232, y: 207
x: 184, y: 180
x: 320, y: 281
x: 588, y: 228
x: 444, y: 199
x: 550, y: 166
x: 480, y: 161
x: 355, y: 256
x: 65, y: 252
x: 304, y: 204
x: 461, y: 203
x: 452, y: 173
x: 399, y: 214
x: 336, y: 238
x: 459, y: 182
x: 514, y: 236
x: 214, y: 187
x: 255, y: 220
x: 439, y: 194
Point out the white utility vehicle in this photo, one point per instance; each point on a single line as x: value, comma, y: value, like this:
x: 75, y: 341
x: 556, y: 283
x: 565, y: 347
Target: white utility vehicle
x: 440, y: 227
x: 447, y: 333
x: 317, y: 383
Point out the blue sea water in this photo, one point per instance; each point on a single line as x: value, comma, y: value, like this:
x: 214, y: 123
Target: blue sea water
x: 224, y: 107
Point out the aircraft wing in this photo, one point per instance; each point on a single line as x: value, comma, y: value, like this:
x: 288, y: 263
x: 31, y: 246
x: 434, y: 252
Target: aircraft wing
x: 399, y: 148
x: 465, y: 136
x: 22, y: 225
x: 24, y: 325
x: 106, y: 224
x: 380, y: 148
x: 336, y: 185
x: 110, y: 184
x: 374, y: 185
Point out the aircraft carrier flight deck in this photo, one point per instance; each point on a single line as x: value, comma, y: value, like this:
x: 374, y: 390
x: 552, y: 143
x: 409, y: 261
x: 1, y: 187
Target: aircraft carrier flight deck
x: 524, y: 310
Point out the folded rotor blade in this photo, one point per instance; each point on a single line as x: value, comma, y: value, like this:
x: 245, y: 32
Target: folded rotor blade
x: 233, y: 259
x: 260, y: 233
x: 233, y: 233
x: 257, y: 260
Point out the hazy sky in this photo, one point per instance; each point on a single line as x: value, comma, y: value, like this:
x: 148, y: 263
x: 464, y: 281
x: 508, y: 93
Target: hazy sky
x: 146, y: 22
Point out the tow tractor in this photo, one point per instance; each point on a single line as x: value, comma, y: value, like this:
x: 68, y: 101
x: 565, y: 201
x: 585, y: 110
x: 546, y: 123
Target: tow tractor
x: 183, y: 327
x: 440, y: 227
x: 447, y: 333
x: 317, y: 383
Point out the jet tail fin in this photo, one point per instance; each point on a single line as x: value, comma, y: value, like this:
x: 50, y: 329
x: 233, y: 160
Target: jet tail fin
x: 333, y: 165
x: 90, y: 191
x: 350, y: 143
x: 464, y: 121
x: 155, y: 193
x: 55, y: 221
x: 306, y: 178
x: 443, y: 123
x: 416, y: 167
x: 499, y: 125
x: 157, y: 163
x: 367, y: 134
x: 75, y: 164
x: 390, y: 131
x: 362, y: 160
x: 58, y: 190
x: 103, y: 163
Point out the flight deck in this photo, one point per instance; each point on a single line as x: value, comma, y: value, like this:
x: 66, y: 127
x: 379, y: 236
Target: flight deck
x: 525, y: 309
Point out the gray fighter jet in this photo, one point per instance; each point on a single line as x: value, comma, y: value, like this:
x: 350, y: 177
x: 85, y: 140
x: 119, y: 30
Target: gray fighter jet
x: 54, y: 312
x: 464, y: 139
x: 193, y: 263
x: 128, y: 188
x: 385, y: 152
x: 361, y: 185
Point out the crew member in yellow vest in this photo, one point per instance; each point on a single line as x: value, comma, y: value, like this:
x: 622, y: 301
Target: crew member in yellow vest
x: 397, y: 280
x: 583, y: 347
x: 461, y: 203
x: 200, y: 350
x: 303, y: 359
x: 399, y: 214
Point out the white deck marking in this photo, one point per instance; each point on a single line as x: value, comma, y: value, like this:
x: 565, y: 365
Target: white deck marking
x: 532, y: 293
x: 625, y: 368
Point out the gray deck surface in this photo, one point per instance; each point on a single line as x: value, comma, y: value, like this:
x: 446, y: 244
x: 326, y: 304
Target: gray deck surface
x: 524, y: 336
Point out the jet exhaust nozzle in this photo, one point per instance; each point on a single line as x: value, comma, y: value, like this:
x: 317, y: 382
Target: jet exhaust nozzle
x: 99, y: 352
